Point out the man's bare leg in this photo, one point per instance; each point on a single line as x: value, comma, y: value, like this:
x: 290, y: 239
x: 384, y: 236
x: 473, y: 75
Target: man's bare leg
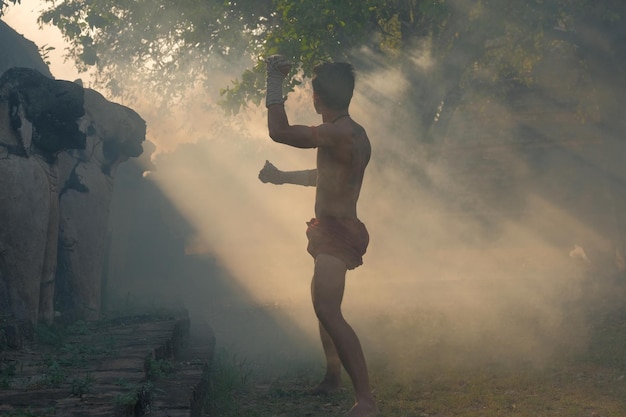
x: 327, y: 290
x: 332, y: 378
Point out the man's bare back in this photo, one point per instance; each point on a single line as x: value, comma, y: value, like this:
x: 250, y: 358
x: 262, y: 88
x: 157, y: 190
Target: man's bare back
x: 340, y: 170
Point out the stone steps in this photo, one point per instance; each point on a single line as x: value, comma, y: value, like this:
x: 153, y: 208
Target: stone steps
x: 126, y: 367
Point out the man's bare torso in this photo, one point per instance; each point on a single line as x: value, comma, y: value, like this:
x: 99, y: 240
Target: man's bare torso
x: 340, y: 171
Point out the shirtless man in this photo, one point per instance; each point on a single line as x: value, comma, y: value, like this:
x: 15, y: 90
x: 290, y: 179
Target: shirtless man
x: 337, y: 239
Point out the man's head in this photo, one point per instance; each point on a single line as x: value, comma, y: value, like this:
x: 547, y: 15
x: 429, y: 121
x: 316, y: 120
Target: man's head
x: 333, y: 84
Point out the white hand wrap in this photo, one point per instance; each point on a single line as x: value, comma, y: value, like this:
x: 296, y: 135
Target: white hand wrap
x: 274, y: 93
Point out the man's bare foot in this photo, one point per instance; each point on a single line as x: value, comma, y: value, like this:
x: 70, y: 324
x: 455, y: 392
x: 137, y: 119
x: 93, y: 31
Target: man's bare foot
x: 325, y: 388
x: 363, y: 410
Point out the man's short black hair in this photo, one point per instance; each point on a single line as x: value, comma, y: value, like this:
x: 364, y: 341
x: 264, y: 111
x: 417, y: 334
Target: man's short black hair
x: 334, y: 84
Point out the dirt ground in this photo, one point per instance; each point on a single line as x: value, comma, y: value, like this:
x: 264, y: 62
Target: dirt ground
x: 588, y: 382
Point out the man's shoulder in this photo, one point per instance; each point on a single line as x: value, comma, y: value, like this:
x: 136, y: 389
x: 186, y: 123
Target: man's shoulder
x: 331, y: 135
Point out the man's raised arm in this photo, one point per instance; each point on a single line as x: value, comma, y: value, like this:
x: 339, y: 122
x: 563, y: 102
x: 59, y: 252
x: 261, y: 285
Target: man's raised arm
x: 273, y: 175
x: 280, y: 130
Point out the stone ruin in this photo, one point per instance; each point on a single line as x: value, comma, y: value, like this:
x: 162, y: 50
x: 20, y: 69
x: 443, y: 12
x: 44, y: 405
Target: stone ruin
x: 60, y: 145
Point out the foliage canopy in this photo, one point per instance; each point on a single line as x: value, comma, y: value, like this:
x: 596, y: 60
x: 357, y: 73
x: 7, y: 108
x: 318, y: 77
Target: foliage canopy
x: 172, y: 47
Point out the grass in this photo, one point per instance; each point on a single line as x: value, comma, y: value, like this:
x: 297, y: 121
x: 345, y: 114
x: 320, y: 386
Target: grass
x: 80, y: 386
x: 588, y: 382
x: 569, y: 390
x: 563, y: 391
x: 53, y: 373
x: 7, y: 373
x: 21, y: 413
x: 230, y: 381
x: 136, y: 398
x: 158, y: 368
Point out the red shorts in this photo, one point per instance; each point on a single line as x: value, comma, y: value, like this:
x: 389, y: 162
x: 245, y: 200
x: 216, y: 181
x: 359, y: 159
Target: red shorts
x: 344, y: 238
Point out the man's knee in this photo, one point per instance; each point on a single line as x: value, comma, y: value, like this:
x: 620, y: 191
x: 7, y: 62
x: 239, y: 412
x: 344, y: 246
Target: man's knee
x: 327, y: 288
x: 326, y: 312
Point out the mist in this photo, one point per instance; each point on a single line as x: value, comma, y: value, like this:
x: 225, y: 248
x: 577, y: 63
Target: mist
x: 498, y: 244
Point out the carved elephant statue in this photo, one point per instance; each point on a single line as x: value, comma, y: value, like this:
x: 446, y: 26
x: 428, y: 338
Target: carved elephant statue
x: 39, y: 118
x: 17, y: 51
x: 83, y: 187
x: 114, y: 134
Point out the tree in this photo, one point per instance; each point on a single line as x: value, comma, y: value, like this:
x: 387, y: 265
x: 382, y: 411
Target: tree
x: 6, y: 3
x: 171, y: 47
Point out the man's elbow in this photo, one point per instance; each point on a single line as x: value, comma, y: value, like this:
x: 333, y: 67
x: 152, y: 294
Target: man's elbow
x: 277, y: 135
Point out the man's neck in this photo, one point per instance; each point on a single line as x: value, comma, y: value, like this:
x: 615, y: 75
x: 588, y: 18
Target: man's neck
x: 331, y: 116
